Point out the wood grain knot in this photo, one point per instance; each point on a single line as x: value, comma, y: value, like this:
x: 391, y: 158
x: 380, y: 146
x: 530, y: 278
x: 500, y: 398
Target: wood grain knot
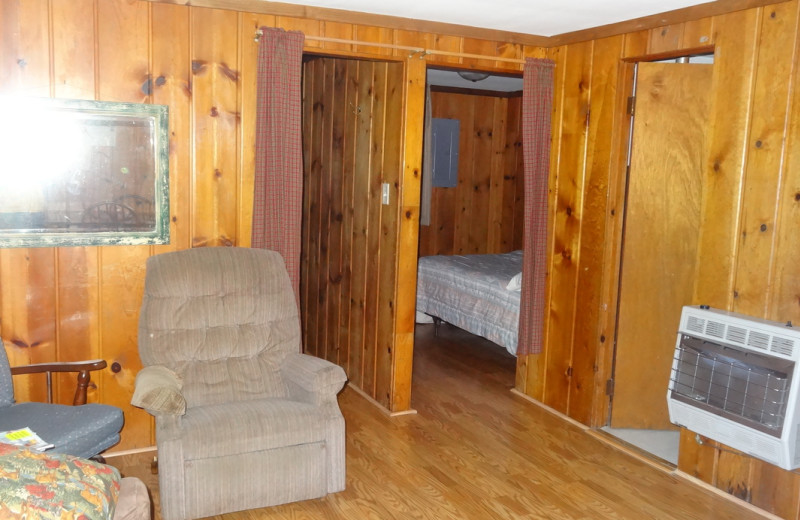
x: 116, y: 367
x: 763, y: 227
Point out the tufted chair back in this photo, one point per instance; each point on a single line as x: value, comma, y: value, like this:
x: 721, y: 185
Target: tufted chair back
x: 6, y: 384
x: 229, y: 318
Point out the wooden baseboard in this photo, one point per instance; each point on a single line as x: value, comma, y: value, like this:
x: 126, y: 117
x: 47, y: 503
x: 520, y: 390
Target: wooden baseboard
x: 551, y: 410
x: 134, y: 451
x: 705, y: 485
x: 380, y: 407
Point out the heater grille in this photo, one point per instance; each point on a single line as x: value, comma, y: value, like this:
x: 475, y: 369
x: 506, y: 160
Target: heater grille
x: 745, y: 387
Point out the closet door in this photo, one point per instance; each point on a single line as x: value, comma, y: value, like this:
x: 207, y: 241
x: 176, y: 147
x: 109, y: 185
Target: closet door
x: 662, y: 223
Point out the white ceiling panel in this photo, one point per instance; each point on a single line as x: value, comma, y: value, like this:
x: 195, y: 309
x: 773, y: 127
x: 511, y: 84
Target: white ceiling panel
x: 536, y: 17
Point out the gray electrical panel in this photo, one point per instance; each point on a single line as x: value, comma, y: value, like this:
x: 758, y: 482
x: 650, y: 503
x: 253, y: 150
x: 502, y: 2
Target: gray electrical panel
x: 445, y: 152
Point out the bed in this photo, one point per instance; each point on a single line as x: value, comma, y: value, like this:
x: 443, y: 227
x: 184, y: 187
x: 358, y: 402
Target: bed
x: 472, y: 292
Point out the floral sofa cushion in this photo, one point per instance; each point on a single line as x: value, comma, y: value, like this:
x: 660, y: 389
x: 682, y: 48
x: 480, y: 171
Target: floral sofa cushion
x: 37, y: 485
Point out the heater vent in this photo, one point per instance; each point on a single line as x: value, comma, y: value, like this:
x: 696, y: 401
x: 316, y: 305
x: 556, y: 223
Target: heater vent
x: 749, y: 389
x: 716, y: 329
x: 734, y: 380
x: 736, y: 335
x: 695, y: 324
x: 758, y: 340
x: 783, y: 346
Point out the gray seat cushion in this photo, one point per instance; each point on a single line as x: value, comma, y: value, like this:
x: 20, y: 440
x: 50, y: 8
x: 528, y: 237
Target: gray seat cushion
x: 82, y: 431
x: 249, y: 426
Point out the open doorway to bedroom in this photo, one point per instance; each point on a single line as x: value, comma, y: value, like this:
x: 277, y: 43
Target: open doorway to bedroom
x: 470, y: 219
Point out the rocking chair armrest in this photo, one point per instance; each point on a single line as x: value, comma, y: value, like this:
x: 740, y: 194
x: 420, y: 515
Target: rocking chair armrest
x: 82, y: 368
x: 65, y: 366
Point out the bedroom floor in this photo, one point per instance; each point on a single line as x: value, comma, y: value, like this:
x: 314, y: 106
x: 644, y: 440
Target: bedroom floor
x: 475, y: 450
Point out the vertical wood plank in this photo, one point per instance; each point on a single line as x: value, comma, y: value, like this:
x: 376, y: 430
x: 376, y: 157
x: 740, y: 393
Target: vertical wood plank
x: 734, y: 71
x: 374, y: 257
x: 567, y: 222
x: 405, y: 299
x: 123, y: 74
x: 602, y: 115
x: 323, y: 236
x: 335, y: 244
x: 363, y: 82
x: 73, y: 63
x: 666, y: 38
x: 480, y: 185
x: 512, y: 189
x: 389, y: 231
x: 348, y: 169
x: 496, y: 174
x: 764, y: 160
x: 215, y: 79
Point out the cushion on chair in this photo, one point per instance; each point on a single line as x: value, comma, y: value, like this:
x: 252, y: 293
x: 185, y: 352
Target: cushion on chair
x: 158, y: 390
x: 249, y: 426
x: 82, y: 431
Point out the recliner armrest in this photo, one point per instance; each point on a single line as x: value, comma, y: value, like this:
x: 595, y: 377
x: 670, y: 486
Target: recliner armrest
x: 158, y: 390
x: 312, y: 379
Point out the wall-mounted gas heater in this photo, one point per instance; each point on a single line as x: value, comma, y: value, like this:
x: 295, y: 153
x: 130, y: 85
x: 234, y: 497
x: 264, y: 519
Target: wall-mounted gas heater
x: 733, y: 380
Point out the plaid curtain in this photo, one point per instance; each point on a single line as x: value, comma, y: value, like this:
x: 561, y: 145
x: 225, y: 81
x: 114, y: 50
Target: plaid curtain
x: 537, y: 102
x: 278, y: 198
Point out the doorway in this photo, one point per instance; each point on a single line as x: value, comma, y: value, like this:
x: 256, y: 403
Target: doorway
x: 666, y: 164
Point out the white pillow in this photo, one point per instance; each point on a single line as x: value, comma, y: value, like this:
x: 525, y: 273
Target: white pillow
x: 515, y: 284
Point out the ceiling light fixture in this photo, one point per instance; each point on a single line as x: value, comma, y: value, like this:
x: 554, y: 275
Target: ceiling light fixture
x: 473, y: 76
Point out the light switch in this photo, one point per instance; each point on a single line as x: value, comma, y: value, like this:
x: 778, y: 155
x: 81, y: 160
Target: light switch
x: 385, y: 193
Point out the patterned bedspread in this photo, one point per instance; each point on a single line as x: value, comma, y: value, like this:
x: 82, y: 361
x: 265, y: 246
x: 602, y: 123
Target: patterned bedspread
x: 470, y: 292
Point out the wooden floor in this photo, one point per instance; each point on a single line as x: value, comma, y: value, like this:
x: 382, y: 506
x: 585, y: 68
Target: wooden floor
x: 477, y: 451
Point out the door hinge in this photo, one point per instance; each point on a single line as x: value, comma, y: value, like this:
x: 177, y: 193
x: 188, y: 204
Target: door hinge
x: 610, y: 387
x: 631, y: 104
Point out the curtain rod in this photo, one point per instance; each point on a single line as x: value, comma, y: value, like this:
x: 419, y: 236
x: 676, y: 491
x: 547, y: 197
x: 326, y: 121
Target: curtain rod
x: 413, y: 50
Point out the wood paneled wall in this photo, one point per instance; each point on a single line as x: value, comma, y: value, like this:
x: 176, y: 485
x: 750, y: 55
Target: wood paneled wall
x: 749, y: 244
x: 83, y: 302
x: 352, y: 113
x: 483, y: 214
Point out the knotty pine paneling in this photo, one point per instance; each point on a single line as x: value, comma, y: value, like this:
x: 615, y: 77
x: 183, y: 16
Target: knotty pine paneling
x: 78, y: 303
x: 747, y: 253
x: 483, y: 213
x: 352, y: 112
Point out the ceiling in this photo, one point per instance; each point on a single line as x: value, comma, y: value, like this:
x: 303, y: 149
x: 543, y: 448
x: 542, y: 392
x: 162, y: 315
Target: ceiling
x: 533, y: 17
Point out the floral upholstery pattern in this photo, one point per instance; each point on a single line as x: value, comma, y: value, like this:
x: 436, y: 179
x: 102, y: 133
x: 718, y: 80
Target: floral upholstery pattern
x: 45, y: 486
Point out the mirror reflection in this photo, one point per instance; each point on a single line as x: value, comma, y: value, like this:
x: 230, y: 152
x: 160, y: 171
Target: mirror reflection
x: 78, y: 167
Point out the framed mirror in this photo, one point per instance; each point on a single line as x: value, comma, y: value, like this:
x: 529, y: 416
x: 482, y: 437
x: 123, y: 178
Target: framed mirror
x: 80, y: 173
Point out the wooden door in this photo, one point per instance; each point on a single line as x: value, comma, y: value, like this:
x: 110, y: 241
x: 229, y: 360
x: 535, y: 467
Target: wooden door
x: 662, y: 222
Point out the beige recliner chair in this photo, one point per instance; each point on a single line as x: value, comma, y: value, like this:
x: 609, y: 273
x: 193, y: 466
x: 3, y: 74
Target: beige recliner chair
x: 243, y: 420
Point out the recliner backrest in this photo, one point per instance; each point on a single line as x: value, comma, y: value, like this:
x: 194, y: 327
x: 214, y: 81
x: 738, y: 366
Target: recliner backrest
x: 6, y: 382
x: 223, y: 318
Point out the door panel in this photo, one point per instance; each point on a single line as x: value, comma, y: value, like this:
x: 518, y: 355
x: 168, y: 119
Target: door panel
x: 662, y: 222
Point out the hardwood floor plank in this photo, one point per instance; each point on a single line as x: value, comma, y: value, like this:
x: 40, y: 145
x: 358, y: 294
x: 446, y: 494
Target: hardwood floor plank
x: 474, y: 450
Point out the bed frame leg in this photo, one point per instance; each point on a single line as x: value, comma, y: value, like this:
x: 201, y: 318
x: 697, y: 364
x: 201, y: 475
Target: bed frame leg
x: 436, y: 323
